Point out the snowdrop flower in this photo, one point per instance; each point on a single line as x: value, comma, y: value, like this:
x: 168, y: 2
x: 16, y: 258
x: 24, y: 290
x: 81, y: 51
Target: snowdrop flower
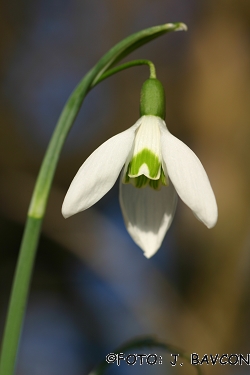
x: 157, y: 167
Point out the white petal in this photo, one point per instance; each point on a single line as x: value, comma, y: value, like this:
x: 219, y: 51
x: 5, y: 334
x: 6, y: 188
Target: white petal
x: 189, y: 178
x: 98, y: 173
x: 147, y: 214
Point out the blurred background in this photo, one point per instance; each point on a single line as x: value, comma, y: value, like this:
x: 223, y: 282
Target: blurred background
x: 92, y: 288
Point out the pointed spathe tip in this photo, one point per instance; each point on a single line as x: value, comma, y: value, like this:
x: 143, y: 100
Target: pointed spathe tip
x: 178, y: 26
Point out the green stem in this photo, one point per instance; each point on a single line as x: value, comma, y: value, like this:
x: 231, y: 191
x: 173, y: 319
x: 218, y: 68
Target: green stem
x: 19, y: 294
x: 18, y: 298
x: 127, y: 65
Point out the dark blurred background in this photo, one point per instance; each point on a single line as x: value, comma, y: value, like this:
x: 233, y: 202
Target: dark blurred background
x: 92, y: 288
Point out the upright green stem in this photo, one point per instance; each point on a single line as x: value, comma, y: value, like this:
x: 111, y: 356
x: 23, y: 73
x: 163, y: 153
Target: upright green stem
x: 40, y: 195
x: 19, y: 294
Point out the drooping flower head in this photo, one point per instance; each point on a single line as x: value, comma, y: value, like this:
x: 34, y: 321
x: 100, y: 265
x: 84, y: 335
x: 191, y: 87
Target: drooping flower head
x: 156, y: 166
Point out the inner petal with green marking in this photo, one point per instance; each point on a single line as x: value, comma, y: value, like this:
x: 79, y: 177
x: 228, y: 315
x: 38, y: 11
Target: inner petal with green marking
x: 144, y: 165
x: 147, y: 163
x: 142, y: 181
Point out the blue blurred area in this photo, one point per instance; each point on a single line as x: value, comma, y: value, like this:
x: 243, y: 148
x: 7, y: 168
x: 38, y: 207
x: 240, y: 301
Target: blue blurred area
x: 52, y: 56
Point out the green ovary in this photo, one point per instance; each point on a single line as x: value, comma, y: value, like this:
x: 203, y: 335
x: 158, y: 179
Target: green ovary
x: 154, y: 169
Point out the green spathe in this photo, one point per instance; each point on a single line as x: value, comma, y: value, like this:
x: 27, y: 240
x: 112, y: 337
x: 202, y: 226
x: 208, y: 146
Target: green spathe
x: 152, y: 98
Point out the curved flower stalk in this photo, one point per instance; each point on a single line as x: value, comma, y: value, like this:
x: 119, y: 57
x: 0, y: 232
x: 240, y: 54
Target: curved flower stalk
x: 156, y: 167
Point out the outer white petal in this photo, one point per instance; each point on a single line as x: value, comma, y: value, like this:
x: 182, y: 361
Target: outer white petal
x: 147, y: 214
x: 99, y: 172
x: 189, y: 178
